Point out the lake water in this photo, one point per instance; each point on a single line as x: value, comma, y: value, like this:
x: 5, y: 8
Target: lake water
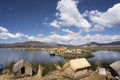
x: 10, y: 55
x: 105, y: 56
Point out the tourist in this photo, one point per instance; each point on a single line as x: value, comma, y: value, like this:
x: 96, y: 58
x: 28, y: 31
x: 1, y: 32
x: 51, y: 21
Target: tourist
x: 1, y: 69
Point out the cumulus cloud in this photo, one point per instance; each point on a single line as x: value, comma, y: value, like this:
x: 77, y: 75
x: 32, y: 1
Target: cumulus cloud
x: 67, y: 31
x: 69, y: 15
x: 110, y: 18
x: 96, y: 28
x: 40, y: 35
x: 2, y: 29
x: 32, y: 38
x: 55, y: 24
x: 53, y: 32
x: 5, y: 34
x: 75, y: 38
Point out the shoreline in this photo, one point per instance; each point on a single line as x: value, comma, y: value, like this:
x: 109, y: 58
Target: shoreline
x: 102, y: 48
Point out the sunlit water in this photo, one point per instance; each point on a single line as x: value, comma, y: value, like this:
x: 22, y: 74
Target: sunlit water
x: 105, y: 56
x: 9, y: 55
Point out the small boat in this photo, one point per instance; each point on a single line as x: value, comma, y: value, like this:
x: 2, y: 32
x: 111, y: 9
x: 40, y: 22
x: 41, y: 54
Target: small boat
x: 52, y: 53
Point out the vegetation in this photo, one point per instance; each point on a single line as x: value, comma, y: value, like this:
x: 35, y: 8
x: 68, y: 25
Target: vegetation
x: 84, y: 54
x: 10, y: 66
x: 35, y: 68
x: 96, y: 64
x: 28, y: 49
x: 47, y: 67
x: 101, y: 48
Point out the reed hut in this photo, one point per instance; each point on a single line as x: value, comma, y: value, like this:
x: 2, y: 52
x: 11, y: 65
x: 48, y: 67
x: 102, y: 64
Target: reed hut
x: 115, y: 68
x: 69, y: 52
x: 76, y: 68
x: 22, y: 68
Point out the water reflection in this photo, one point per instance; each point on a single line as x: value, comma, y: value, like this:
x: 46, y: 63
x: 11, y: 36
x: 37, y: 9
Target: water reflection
x: 9, y: 55
x: 105, y: 56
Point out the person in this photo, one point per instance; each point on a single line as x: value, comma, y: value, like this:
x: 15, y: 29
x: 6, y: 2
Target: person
x: 117, y: 78
x: 1, y: 68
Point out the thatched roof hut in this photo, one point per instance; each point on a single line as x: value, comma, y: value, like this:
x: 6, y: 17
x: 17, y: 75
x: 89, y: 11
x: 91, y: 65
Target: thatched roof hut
x: 115, y: 68
x: 68, y: 51
x: 21, y: 68
x: 79, y: 64
x: 76, y: 68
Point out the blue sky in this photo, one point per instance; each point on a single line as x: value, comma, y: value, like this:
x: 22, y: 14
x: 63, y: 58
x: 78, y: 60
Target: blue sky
x: 61, y: 21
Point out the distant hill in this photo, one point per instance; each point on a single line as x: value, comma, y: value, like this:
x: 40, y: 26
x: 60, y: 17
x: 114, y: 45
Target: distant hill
x: 29, y: 44
x: 93, y: 44
x: 37, y: 44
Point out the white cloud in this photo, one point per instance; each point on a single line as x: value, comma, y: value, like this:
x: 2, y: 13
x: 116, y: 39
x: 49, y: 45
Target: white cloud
x: 5, y: 34
x: 55, y: 24
x: 2, y: 29
x: 69, y: 15
x: 40, y: 35
x: 75, y: 38
x: 71, y: 37
x: 53, y: 32
x: 110, y: 18
x: 32, y: 38
x: 68, y: 31
x: 96, y: 28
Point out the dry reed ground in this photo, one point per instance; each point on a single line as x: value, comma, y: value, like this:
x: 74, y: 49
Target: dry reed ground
x: 7, y: 76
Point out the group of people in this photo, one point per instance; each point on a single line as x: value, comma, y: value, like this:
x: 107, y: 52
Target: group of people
x: 1, y: 68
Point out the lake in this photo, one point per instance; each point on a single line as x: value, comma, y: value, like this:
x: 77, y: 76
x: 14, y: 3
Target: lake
x: 9, y: 55
x: 105, y: 56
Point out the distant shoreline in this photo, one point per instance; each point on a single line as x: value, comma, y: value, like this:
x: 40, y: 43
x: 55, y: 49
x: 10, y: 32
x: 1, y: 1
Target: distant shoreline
x: 101, y: 48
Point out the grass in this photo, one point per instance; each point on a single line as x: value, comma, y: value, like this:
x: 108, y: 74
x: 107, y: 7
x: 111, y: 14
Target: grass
x: 28, y: 49
x: 84, y: 54
x: 101, y: 48
x: 96, y: 64
x: 47, y: 67
x: 10, y: 66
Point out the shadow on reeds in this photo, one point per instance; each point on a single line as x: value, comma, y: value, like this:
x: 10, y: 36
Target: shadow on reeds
x: 47, y: 67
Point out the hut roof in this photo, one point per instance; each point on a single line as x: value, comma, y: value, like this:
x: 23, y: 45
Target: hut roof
x: 68, y: 51
x: 80, y: 63
x: 116, y: 67
x: 17, y: 66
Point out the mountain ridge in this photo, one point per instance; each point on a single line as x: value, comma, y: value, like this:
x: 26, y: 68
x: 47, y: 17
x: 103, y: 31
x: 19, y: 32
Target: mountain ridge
x: 38, y: 44
x: 116, y: 43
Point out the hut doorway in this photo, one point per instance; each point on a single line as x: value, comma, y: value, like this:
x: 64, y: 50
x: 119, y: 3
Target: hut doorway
x: 23, y: 70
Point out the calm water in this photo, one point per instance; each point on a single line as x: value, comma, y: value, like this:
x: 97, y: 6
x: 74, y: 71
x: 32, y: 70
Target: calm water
x: 10, y: 55
x: 105, y: 56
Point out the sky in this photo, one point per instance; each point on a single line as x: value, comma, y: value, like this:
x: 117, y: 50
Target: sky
x: 73, y: 22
